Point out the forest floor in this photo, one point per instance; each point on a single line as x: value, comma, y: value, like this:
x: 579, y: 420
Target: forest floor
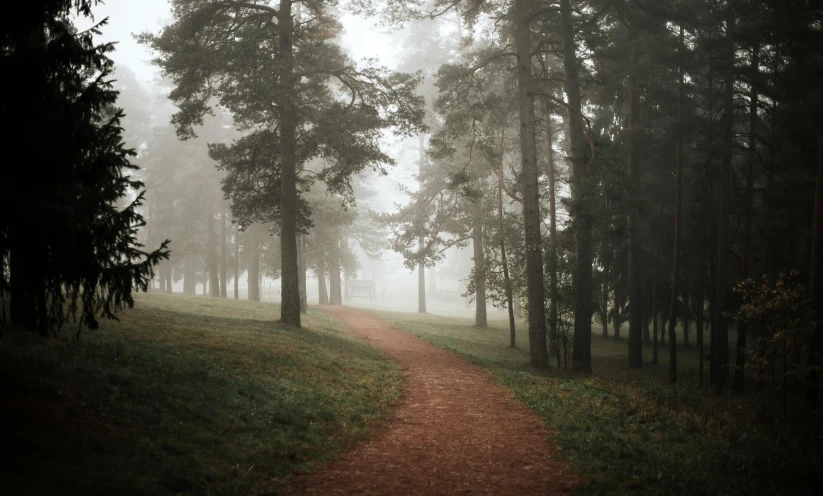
x: 455, y: 431
x: 627, y: 431
x: 185, y: 395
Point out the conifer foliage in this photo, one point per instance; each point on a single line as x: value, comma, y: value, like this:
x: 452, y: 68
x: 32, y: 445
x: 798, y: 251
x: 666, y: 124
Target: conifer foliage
x: 68, y: 203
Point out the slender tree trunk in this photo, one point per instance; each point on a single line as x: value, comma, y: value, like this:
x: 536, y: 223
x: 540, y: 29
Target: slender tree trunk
x: 224, y: 256
x: 421, y: 283
x: 739, y: 371
x: 554, y: 294
x: 766, y: 255
x: 816, y: 284
x: 677, y: 221
x: 480, y: 319
x: 237, y: 263
x: 581, y: 197
x: 290, y: 305
x: 211, y: 251
x: 635, y: 255
x: 687, y: 324
x: 323, y: 296
x: 335, y: 283
x: 617, y: 320
x: 421, y: 268
x: 506, y: 280
x: 150, y: 238
x: 605, y: 302
x: 254, y: 265
x: 301, y: 274
x: 700, y: 300
x: 538, y: 354
x: 655, y: 310
x: 720, y: 336
x: 188, y: 275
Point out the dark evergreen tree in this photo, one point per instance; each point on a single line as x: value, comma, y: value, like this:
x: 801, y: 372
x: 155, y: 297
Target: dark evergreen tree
x: 69, y: 202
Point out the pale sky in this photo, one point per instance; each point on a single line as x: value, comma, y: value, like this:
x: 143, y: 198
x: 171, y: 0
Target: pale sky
x: 361, y: 37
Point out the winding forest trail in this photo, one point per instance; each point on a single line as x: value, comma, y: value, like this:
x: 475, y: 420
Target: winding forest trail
x: 454, y: 431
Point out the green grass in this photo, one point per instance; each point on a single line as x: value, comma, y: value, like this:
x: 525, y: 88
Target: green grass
x: 185, y: 395
x: 629, y: 432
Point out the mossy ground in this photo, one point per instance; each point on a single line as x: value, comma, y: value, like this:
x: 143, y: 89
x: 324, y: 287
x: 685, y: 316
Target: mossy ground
x: 185, y: 395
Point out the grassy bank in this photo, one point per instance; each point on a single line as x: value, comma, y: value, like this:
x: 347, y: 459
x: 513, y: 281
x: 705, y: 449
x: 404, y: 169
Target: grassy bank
x: 627, y: 431
x: 187, y: 395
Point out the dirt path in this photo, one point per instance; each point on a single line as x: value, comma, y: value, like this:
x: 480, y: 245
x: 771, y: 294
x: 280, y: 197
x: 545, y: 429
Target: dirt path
x: 454, y: 431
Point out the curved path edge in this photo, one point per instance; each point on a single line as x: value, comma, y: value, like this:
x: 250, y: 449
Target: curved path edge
x: 455, y: 430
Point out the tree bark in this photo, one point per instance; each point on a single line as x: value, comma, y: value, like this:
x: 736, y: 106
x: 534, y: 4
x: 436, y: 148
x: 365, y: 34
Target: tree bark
x: 322, y: 296
x: 188, y: 275
x: 224, y: 256
x: 538, y: 354
x: 655, y: 310
x: 678, y: 200
x: 254, y: 265
x: 581, y: 191
x: 506, y: 279
x: 236, y: 263
x: 480, y: 319
x: 211, y: 251
x: 421, y: 283
x: 720, y: 336
x: 301, y: 274
x: 739, y: 371
x: 290, y: 298
x: 554, y: 294
x: 335, y: 286
x: 635, y: 279
x: 700, y: 300
x: 816, y: 284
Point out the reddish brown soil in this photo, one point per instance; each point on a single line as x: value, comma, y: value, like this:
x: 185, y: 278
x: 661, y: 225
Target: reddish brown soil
x: 455, y: 431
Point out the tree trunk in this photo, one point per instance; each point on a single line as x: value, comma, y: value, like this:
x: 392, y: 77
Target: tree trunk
x: 290, y: 298
x: 211, y: 251
x: 301, y: 274
x: 335, y: 286
x: 581, y: 197
x: 237, y: 263
x: 506, y: 280
x: 739, y: 372
x: 322, y: 296
x: 480, y: 319
x: 617, y: 320
x: 421, y: 283
x: 554, y: 294
x: 254, y: 265
x: 605, y: 302
x: 816, y: 284
x: 635, y: 272
x: 224, y: 256
x: 720, y: 336
x: 700, y: 300
x: 678, y: 200
x: 538, y: 354
x: 655, y: 310
x: 188, y: 275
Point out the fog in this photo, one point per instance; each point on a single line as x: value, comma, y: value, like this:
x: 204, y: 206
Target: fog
x: 144, y: 98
